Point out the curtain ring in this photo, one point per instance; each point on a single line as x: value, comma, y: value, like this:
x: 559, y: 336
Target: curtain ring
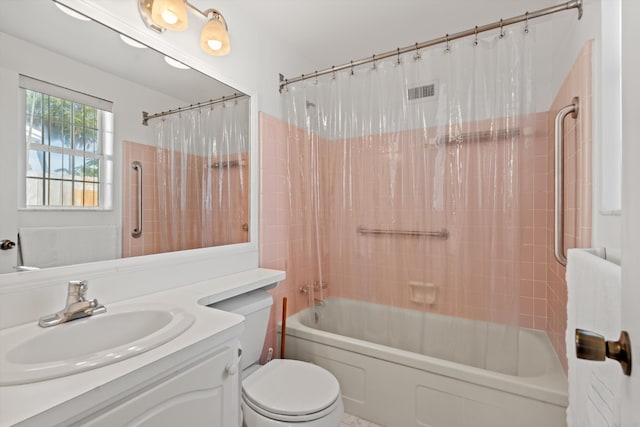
x: 526, y: 22
x: 417, y: 55
x: 316, y: 81
x: 352, y: 68
x: 447, y: 49
x: 333, y: 71
x: 501, y: 29
x: 398, y: 61
x: 374, y: 61
x: 475, y: 41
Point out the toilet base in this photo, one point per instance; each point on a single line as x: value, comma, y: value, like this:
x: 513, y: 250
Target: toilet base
x: 251, y: 418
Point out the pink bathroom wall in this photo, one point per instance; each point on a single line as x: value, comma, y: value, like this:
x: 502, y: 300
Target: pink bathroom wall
x: 147, y: 242
x: 473, y: 270
x: 274, y: 218
x: 577, y: 190
x: 196, y: 231
x: 356, y: 266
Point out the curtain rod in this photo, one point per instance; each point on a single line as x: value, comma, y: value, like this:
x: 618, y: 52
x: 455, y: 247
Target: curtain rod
x: 573, y: 4
x: 146, y: 116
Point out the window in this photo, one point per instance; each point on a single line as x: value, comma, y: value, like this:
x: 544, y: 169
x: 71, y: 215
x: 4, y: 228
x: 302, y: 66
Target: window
x: 69, y: 147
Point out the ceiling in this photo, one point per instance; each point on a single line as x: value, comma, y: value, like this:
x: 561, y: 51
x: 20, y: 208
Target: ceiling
x: 333, y: 32
x: 323, y: 32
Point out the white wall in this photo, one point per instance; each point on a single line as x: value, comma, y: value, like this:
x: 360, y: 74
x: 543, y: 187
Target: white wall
x: 570, y: 34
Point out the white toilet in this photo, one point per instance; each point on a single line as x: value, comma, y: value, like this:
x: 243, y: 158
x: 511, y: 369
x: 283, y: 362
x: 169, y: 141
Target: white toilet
x: 283, y: 392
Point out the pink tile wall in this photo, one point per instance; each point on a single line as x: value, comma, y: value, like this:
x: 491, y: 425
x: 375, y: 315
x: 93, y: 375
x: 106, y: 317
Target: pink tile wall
x: 274, y: 218
x: 147, y: 242
x: 577, y: 191
x: 357, y: 266
x: 196, y: 230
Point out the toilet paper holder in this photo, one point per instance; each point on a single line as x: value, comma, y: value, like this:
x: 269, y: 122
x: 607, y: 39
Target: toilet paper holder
x: 592, y: 346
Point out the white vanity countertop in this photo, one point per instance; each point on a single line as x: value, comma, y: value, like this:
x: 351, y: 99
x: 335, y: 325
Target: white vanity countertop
x: 21, y: 402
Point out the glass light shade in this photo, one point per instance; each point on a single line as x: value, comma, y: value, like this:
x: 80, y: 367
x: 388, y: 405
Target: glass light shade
x: 170, y: 14
x: 214, y: 35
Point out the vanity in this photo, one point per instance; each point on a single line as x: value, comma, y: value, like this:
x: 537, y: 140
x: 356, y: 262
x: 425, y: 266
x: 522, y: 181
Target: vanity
x: 191, y: 379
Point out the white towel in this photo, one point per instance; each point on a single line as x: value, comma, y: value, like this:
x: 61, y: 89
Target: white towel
x: 55, y: 246
x: 593, y: 286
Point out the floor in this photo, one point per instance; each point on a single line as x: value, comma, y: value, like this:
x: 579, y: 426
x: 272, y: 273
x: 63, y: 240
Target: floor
x: 353, y: 421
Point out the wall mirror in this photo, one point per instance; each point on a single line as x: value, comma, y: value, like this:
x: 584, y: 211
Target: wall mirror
x: 42, y: 47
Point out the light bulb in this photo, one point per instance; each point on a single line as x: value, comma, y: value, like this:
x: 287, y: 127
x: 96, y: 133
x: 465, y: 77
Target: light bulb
x: 214, y: 44
x: 170, y: 14
x: 169, y: 17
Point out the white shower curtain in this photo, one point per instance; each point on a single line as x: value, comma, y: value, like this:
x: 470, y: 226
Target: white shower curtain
x: 432, y: 141
x: 202, y: 168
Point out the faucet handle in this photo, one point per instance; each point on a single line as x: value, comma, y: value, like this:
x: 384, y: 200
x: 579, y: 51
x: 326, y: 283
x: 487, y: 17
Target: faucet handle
x: 78, y: 288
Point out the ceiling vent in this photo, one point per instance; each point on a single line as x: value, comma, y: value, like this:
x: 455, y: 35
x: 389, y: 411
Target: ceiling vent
x: 427, y: 92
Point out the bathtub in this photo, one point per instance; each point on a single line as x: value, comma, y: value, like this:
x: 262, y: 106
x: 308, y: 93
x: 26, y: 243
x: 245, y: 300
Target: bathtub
x: 401, y: 368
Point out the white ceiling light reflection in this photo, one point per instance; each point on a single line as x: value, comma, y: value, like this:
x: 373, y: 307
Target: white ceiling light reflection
x: 174, y: 63
x: 131, y: 42
x: 72, y: 12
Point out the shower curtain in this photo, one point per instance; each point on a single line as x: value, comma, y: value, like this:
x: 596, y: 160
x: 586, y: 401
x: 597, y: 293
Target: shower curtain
x: 384, y: 154
x: 202, y: 176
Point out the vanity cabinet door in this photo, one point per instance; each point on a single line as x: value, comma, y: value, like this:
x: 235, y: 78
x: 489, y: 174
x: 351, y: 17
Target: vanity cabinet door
x: 206, y: 394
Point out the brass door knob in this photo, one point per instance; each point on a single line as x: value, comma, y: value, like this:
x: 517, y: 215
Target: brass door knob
x: 6, y: 244
x: 592, y: 346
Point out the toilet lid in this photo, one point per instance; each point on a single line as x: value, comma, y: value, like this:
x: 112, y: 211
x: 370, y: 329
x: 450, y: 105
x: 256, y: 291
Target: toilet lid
x: 291, y: 387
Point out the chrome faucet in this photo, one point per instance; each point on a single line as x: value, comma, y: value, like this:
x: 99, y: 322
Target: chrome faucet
x: 77, y: 306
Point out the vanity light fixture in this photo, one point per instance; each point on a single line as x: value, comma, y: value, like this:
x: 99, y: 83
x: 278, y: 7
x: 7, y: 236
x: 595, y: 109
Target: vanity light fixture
x: 161, y: 15
x: 214, y: 38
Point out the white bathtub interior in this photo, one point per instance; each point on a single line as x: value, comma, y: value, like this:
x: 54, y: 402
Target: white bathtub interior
x: 431, y: 370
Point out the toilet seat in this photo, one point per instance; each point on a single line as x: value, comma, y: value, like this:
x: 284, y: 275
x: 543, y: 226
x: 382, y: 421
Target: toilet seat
x: 291, y: 391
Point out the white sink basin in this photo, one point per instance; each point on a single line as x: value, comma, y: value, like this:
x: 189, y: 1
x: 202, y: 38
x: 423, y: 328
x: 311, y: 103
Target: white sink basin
x: 30, y: 353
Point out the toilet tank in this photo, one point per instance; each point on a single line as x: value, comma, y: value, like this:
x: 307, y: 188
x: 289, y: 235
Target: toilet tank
x: 255, y: 306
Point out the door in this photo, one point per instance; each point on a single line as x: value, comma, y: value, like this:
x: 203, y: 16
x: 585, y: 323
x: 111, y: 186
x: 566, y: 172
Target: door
x: 631, y: 204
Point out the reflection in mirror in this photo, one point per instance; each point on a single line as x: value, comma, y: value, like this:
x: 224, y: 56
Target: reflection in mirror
x: 194, y: 186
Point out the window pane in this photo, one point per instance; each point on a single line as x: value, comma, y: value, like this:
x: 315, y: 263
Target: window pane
x: 78, y: 126
x: 35, y: 164
x: 34, y: 129
x: 54, y: 191
x: 56, y: 169
x: 67, y: 193
x: 91, y: 117
x: 78, y: 168
x: 34, y: 103
x: 90, y: 194
x: 91, y: 140
x: 91, y: 169
x: 34, y: 192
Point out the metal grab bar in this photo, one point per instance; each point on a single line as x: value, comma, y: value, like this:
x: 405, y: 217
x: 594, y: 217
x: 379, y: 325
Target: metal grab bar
x: 572, y: 109
x: 137, y: 232
x: 442, y: 234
